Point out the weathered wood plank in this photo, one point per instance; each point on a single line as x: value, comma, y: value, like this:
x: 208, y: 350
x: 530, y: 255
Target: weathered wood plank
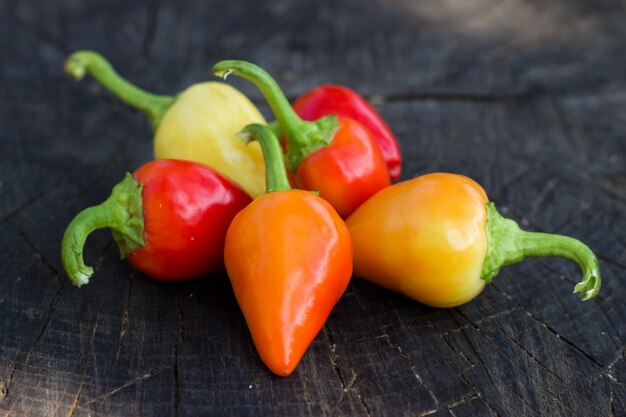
x: 530, y: 106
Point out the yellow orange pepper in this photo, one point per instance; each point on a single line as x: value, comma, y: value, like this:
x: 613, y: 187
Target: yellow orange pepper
x: 438, y: 240
x: 199, y: 124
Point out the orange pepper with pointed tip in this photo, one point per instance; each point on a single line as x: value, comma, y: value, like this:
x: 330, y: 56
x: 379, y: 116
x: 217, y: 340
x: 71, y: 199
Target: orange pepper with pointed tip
x: 289, y: 259
x: 438, y: 240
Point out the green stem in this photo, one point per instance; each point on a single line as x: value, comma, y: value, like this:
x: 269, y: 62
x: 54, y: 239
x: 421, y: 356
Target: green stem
x: 303, y: 138
x: 275, y: 128
x: 275, y: 174
x: 122, y: 212
x: 153, y: 106
x: 508, y: 244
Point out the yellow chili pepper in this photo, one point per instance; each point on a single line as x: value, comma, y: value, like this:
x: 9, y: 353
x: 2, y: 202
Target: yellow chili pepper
x: 437, y: 239
x: 199, y: 124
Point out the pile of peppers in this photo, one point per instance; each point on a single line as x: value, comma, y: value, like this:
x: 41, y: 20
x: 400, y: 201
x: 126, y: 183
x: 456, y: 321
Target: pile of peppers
x: 308, y: 198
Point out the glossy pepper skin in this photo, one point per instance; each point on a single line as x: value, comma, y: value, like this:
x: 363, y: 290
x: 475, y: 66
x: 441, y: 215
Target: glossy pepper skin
x: 336, y: 156
x: 199, y: 124
x: 289, y: 259
x: 438, y: 240
x: 345, y: 102
x: 169, y: 218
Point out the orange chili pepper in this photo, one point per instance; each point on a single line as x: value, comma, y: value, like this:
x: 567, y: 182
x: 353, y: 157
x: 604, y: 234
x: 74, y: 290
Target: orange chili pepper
x: 289, y: 259
x: 438, y: 239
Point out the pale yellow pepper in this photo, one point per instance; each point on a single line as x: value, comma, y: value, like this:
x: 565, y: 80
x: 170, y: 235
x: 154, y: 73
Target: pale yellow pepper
x: 199, y: 124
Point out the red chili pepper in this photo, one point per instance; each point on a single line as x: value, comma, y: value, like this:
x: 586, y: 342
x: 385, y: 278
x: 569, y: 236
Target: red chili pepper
x: 344, y: 102
x: 339, y: 157
x: 170, y: 218
x: 289, y: 259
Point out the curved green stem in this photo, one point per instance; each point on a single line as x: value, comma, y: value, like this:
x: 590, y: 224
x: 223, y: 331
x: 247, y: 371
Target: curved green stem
x: 275, y: 128
x: 122, y: 212
x: 153, y: 106
x: 508, y: 244
x: 303, y: 138
x: 275, y: 175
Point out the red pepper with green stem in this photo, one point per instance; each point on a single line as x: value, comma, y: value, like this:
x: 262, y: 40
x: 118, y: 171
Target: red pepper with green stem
x: 169, y: 218
x: 289, y: 259
x: 344, y: 102
x: 337, y: 156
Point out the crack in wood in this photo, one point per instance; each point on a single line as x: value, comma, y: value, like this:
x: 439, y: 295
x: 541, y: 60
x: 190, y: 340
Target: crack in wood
x: 429, y: 412
x: 606, y: 372
x: 5, y: 386
x: 566, y: 312
x: 181, y: 320
x: 459, y: 352
x: 543, y: 194
x: 69, y: 202
x: 344, y: 390
x: 79, y: 393
x: 84, y: 378
x: 175, y: 366
x: 531, y: 356
x: 548, y: 327
x: 176, y: 390
x: 139, y: 379
x: 152, y: 13
x: 39, y: 254
x: 30, y: 201
x: 612, y: 409
x: 482, y: 320
x: 412, y: 364
x: 462, y: 400
x: 606, y: 188
x: 334, y: 357
x: 51, y: 308
x: 124, y: 316
x: 484, y: 336
x: 491, y: 407
x: 610, y: 323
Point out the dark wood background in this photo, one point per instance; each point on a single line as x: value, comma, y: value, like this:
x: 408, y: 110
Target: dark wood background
x: 527, y: 97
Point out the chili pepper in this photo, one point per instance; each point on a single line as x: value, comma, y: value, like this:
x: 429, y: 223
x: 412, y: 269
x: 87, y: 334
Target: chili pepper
x: 289, y: 259
x: 337, y: 156
x: 345, y: 102
x: 198, y: 124
x: 437, y: 239
x: 169, y: 218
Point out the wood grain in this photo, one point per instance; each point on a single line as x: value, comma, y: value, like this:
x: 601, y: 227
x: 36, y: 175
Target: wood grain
x: 526, y: 97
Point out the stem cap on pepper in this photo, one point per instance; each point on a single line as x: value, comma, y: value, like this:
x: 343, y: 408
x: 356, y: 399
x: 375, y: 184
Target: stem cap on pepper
x: 122, y: 212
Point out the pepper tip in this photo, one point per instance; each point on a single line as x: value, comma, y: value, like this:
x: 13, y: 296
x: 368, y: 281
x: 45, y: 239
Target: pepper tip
x: 81, y: 278
x: 245, y: 136
x: 222, y: 73
x: 588, y: 288
x: 74, y: 68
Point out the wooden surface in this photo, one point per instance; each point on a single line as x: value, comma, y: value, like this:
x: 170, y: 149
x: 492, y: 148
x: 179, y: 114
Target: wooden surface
x: 528, y: 98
